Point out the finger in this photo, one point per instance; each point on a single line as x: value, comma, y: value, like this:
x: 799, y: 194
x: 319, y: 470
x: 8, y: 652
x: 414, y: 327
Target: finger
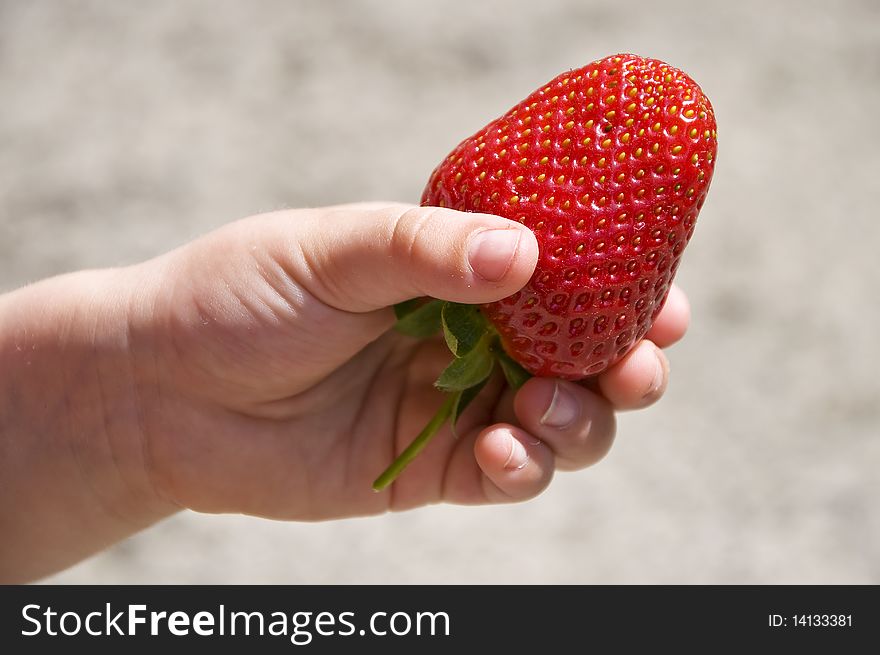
x: 578, y: 425
x: 360, y: 259
x: 503, y: 411
x: 515, y: 465
x: 673, y: 320
x: 637, y: 380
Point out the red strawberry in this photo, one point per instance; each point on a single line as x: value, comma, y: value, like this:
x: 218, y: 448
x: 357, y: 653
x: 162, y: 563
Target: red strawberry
x: 609, y: 166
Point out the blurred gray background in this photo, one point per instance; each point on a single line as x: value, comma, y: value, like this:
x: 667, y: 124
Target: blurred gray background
x: 128, y: 128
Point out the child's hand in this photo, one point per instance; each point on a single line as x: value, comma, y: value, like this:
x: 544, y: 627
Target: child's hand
x: 253, y: 371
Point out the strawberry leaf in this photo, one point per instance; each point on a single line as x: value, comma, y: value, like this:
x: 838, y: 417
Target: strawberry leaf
x: 423, y: 321
x: 468, y: 370
x: 463, y: 327
x: 462, y: 400
x: 515, y: 374
x: 401, y: 309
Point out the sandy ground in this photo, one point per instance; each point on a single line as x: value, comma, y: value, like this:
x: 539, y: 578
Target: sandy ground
x: 127, y: 129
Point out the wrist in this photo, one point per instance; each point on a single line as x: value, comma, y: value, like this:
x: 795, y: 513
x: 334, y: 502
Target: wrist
x: 120, y: 391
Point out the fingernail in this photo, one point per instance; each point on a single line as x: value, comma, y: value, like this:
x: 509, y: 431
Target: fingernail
x: 563, y: 409
x: 491, y: 252
x: 659, y: 373
x: 518, y: 456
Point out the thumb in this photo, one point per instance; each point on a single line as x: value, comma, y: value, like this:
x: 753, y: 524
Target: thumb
x: 359, y: 258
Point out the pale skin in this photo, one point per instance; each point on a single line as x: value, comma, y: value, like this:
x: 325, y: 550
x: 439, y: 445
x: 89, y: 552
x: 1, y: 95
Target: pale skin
x: 254, y: 371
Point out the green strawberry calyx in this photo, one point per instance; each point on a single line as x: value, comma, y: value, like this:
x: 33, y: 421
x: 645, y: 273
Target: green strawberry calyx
x: 476, y: 349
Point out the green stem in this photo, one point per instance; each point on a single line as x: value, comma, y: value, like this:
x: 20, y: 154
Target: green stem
x: 417, y: 445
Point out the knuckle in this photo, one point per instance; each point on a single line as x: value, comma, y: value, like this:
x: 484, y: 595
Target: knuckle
x: 411, y: 236
x: 408, y: 232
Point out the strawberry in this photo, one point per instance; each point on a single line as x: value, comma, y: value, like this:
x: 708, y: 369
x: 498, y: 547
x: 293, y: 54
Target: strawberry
x: 609, y: 166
